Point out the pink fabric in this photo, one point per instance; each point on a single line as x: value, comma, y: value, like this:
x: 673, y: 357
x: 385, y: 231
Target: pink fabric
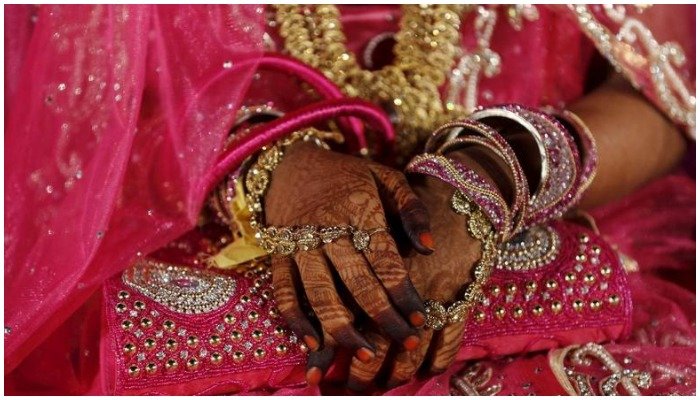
x: 115, y: 113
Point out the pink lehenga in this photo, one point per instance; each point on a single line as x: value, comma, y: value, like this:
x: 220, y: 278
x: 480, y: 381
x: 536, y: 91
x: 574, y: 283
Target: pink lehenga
x: 117, y: 117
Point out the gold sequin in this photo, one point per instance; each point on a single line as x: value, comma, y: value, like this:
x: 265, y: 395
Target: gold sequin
x: 614, y: 299
x: 500, y: 312
x: 126, y: 324
x: 595, y: 305
x: 146, y: 323
x: 253, y: 316
x: 236, y: 336
x: 518, y: 312
x: 139, y: 305
x: 229, y: 319
x: 257, y: 335
x: 479, y: 316
x: 123, y: 295
x: 171, y: 344
x: 192, y: 364
x: 279, y: 331
x: 171, y: 365
x: 259, y: 353
x: 551, y: 284
x: 281, y: 349
x: 589, y: 279
x: 169, y: 325
x: 121, y: 307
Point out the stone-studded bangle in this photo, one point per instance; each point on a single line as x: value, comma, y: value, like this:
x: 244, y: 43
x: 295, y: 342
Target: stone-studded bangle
x: 558, y: 178
x: 587, y: 148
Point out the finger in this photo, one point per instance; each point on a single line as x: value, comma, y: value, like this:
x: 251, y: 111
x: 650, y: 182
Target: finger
x: 362, y: 374
x: 323, y: 297
x: 407, y: 363
x: 447, y: 342
x: 401, y: 200
x: 285, y: 280
x: 389, y: 267
x: 360, y: 281
x: 319, y: 361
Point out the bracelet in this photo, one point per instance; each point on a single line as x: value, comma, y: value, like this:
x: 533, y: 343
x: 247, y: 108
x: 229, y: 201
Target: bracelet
x: 287, y: 240
x: 476, y: 199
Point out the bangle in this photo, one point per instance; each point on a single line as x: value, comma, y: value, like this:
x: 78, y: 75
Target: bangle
x: 287, y: 240
x: 587, y: 148
x: 476, y: 199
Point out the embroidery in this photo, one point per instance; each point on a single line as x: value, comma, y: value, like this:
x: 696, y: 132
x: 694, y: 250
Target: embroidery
x: 531, y: 249
x: 474, y: 381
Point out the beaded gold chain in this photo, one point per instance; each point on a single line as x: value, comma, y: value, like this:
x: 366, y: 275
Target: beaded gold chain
x: 426, y: 46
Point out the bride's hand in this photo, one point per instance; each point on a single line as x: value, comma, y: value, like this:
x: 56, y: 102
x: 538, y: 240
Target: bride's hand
x: 440, y: 276
x: 313, y: 186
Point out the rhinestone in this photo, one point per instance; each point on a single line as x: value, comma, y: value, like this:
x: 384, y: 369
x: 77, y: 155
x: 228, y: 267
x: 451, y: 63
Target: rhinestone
x: 228, y: 348
x: 551, y: 284
x: 279, y: 331
x: 511, y: 288
x: 577, y: 305
x: 578, y: 267
x: 589, y: 279
x: 184, y: 354
x: 169, y: 325
x: 257, y: 335
x: 303, y: 347
x: 123, y: 295
x: 171, y: 344
x: 159, y: 334
x: 500, y: 312
x: 215, y: 340
x: 129, y: 348
x: 192, y: 341
x: 239, y: 308
x: 229, y: 318
x: 160, y: 355
x: 259, y: 353
x: 139, y: 305
x: 151, y: 368
x: 140, y: 357
x: 267, y: 323
x: 203, y: 352
x: 614, y: 299
x: 570, y: 277
x: 171, y: 364
x: 134, y: 370
x: 253, y: 316
x: 238, y: 356
x: 292, y: 338
x: 154, y: 313
x: 557, y: 307
x: 121, y: 307
x: 146, y: 323
x: 220, y: 328
x: 606, y: 270
x: 595, y: 304
x: 216, y: 358
x: 603, y: 285
x: 537, y: 310
x: 126, y: 324
x: 133, y: 313
x: 149, y: 344
x: 248, y: 345
x: 192, y: 363
x: 518, y: 312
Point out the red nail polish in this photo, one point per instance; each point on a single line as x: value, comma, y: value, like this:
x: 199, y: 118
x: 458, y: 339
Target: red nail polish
x: 311, y: 342
x: 313, y: 376
x: 426, y: 239
x: 364, y: 354
x: 417, y: 318
x: 411, y: 342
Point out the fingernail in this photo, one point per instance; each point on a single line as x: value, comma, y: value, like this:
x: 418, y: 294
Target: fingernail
x: 364, y: 354
x: 426, y: 239
x: 311, y: 342
x: 417, y: 318
x: 313, y: 376
x: 411, y: 342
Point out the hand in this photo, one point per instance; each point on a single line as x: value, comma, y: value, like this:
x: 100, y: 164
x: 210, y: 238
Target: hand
x: 441, y: 276
x: 319, y: 187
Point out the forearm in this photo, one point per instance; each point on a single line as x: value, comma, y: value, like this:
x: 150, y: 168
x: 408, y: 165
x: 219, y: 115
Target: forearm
x: 636, y: 143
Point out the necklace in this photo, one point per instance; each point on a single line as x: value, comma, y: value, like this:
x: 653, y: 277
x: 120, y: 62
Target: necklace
x: 426, y: 46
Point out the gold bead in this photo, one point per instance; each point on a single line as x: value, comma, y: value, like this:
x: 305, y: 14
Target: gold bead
x: 139, y: 305
x: 495, y: 290
x: 500, y: 312
x: 149, y: 344
x: 614, y: 299
x: 146, y: 323
x: 169, y: 325
x: 605, y: 270
x: 214, y: 340
x: 266, y: 294
x: 303, y: 347
x: 151, y: 368
x: 589, y: 279
x: 577, y: 305
x: 123, y: 295
x: 216, y: 358
x: 171, y: 344
x: 281, y: 349
x: 134, y: 370
x: 557, y: 307
x: 129, y: 348
x: 596, y: 250
x: 259, y: 353
x: 551, y: 284
x: 479, y: 315
x: 245, y: 299
x: 229, y: 318
x: 258, y: 283
x: 537, y: 310
x: 121, y: 307
x: 580, y: 257
x: 531, y: 286
x: 238, y: 356
x: 583, y: 238
x: 518, y: 312
x: 253, y: 316
x: 236, y: 336
x: 570, y: 277
x: 171, y: 365
x: 192, y: 364
x: 274, y: 312
x: 126, y: 324
x: 511, y: 288
x: 192, y: 341
x: 257, y: 335
x: 595, y: 304
x: 279, y: 331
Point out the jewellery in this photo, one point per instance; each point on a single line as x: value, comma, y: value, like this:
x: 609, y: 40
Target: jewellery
x: 287, y: 240
x: 426, y: 45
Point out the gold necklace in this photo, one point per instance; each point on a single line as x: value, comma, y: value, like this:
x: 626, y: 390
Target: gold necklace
x: 426, y: 47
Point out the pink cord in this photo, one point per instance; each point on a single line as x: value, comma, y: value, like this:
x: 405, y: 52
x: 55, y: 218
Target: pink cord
x: 306, y: 116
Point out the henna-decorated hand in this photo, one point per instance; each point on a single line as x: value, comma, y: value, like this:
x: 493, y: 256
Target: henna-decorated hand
x: 313, y: 186
x: 441, y: 276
